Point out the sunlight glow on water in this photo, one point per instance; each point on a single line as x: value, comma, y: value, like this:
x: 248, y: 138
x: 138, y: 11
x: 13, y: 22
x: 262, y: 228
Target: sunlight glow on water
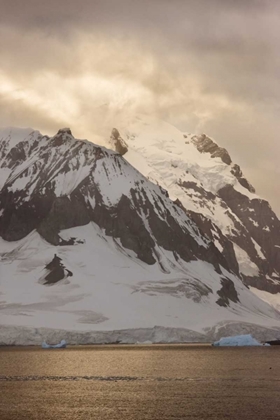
x: 137, y: 382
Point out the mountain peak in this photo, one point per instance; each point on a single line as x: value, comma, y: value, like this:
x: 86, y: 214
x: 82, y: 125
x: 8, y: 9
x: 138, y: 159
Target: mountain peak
x: 117, y: 142
x: 204, y: 144
x: 65, y: 130
x: 116, y: 249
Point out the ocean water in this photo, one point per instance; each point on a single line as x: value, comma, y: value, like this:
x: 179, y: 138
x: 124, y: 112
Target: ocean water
x: 140, y: 383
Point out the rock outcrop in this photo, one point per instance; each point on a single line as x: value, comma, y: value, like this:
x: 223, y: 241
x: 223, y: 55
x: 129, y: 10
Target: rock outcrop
x: 205, y: 145
x: 118, y: 143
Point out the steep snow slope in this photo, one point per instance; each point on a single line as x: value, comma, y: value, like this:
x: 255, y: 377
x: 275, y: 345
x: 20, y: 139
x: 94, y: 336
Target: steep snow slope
x: 201, y: 175
x: 110, y: 289
x: 89, y: 244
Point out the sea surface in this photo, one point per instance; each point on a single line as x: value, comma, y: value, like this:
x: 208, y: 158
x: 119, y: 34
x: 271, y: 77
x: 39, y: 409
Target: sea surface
x: 140, y: 383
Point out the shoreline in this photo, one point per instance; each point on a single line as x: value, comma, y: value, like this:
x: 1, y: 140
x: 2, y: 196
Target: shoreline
x: 158, y: 335
x: 109, y: 346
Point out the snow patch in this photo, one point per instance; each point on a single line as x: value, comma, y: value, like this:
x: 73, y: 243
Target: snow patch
x: 258, y: 249
x: 272, y: 299
x: 246, y: 266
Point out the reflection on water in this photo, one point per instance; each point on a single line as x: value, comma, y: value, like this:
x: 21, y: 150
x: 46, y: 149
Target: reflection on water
x: 140, y: 382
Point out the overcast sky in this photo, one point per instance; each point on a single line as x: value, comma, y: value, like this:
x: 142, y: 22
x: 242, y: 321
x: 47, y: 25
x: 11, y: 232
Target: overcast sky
x: 209, y: 66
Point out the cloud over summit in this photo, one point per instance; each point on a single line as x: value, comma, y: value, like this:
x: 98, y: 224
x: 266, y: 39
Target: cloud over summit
x: 201, y: 65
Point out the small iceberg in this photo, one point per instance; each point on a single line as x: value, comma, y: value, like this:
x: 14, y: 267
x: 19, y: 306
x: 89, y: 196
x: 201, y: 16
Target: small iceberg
x: 60, y: 345
x: 238, y: 340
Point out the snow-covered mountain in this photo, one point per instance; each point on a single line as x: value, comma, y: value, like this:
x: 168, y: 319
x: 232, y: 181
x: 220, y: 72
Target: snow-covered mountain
x: 89, y: 243
x: 201, y: 177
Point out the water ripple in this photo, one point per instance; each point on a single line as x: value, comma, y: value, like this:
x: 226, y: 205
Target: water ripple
x: 127, y: 379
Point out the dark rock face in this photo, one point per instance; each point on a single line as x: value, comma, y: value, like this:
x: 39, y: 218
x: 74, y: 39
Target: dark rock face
x: 227, y: 293
x: 17, y: 221
x: 236, y: 171
x: 65, y: 212
x: 170, y: 235
x: 205, y: 145
x: 118, y: 143
x: 207, y: 227
x: 252, y: 220
x: 188, y: 185
x: 263, y: 226
x: 215, y: 234
x: 65, y: 131
x: 263, y: 283
x: 55, y: 272
x: 12, y: 157
x: 124, y: 222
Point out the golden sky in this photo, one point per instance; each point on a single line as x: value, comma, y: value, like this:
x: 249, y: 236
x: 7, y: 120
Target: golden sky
x: 209, y: 66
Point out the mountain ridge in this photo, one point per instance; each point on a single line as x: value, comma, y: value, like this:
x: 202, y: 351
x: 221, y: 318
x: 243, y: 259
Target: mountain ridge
x: 216, y: 189
x: 67, y: 198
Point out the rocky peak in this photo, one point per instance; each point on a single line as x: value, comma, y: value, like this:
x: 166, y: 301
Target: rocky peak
x: 236, y: 171
x: 65, y: 130
x: 205, y: 145
x: 62, y: 136
x: 118, y: 142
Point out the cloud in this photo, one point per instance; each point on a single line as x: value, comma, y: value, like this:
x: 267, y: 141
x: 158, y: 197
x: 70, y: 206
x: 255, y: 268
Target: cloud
x: 203, y: 66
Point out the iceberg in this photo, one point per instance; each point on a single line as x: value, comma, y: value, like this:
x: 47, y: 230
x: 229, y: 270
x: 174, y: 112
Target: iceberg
x: 238, y: 340
x: 60, y: 345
